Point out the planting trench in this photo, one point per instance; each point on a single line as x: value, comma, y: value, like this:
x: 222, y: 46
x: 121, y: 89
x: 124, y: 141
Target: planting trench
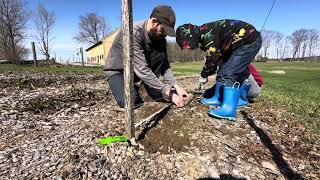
x: 176, y: 129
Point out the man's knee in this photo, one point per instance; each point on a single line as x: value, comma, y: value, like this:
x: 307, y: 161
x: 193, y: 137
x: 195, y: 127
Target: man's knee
x: 116, y: 85
x: 153, y: 93
x: 120, y: 103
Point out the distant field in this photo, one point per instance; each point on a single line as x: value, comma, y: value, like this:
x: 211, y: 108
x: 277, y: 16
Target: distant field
x: 295, y: 85
x: 187, y: 68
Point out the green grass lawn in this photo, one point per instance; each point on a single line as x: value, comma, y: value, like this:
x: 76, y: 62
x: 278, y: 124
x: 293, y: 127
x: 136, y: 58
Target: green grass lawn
x: 187, y: 68
x: 298, y: 89
x: 31, y: 68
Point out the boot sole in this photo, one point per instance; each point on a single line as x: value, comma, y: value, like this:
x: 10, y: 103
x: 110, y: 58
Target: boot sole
x: 210, y: 104
x: 245, y: 105
x: 221, y: 117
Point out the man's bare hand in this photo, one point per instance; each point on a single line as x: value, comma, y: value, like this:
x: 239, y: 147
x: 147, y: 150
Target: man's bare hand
x: 181, y: 92
x: 178, y: 100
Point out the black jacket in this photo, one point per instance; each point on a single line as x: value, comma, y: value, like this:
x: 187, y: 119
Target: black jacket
x: 218, y: 39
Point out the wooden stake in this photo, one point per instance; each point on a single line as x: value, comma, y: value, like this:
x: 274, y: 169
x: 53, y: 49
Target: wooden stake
x: 127, y: 31
x: 35, y: 62
x: 81, y: 51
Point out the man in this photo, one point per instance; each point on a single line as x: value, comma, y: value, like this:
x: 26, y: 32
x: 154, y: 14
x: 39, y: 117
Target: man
x: 235, y: 43
x: 150, y: 60
x: 254, y: 81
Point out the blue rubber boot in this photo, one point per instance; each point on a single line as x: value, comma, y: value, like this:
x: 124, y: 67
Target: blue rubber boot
x: 228, y: 109
x: 244, y: 89
x: 214, y: 101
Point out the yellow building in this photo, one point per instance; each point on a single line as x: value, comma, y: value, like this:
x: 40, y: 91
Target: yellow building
x: 98, y: 53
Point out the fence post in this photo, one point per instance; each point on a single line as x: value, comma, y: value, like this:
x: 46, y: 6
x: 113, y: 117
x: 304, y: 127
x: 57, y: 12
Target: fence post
x: 35, y: 62
x: 81, y: 51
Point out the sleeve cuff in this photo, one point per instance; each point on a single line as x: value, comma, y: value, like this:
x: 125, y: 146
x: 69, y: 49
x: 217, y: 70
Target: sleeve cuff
x: 172, y: 83
x: 165, y: 89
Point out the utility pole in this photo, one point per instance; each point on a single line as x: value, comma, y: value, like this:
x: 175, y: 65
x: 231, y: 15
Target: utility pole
x: 81, y: 51
x: 127, y: 28
x: 35, y: 62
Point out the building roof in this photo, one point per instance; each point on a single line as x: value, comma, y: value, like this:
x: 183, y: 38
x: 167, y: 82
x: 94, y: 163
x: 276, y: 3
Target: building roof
x: 100, y: 42
x: 95, y: 45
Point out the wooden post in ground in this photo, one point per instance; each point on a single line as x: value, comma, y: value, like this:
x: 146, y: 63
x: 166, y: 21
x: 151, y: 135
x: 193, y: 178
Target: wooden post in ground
x: 35, y: 62
x: 127, y: 28
x: 81, y: 51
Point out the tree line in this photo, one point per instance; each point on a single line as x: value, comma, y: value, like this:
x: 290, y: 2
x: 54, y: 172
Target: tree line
x: 300, y: 44
x: 14, y: 17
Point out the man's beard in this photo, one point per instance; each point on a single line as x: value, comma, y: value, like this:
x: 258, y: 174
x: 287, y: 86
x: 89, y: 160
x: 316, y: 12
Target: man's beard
x: 154, y: 36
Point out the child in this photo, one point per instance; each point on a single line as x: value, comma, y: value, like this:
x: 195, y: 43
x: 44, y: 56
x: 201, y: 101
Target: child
x: 234, y: 42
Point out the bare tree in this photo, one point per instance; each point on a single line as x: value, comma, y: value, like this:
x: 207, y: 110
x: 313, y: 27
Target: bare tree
x: 267, y: 37
x: 304, y: 43
x: 44, y: 21
x: 304, y: 47
x: 297, y: 39
x: 92, y: 29
x: 317, y: 49
x: 285, y: 47
x: 313, y: 39
x: 3, y: 40
x: 277, y: 39
x: 13, y: 18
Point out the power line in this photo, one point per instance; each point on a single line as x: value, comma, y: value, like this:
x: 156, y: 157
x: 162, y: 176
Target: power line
x: 268, y: 15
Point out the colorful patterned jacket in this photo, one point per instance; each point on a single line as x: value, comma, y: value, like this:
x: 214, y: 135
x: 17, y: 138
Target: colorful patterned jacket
x: 218, y: 39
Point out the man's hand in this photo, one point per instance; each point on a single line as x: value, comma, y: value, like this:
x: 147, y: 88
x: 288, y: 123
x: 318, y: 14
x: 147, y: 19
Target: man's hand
x: 202, y: 80
x: 177, y: 100
x: 181, y: 92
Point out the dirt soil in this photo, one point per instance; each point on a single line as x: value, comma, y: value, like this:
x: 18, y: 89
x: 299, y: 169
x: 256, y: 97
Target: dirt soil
x: 49, y: 123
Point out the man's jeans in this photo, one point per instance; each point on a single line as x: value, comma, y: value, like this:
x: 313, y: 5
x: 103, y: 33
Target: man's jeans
x: 235, y: 69
x: 157, y: 63
x: 116, y: 84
